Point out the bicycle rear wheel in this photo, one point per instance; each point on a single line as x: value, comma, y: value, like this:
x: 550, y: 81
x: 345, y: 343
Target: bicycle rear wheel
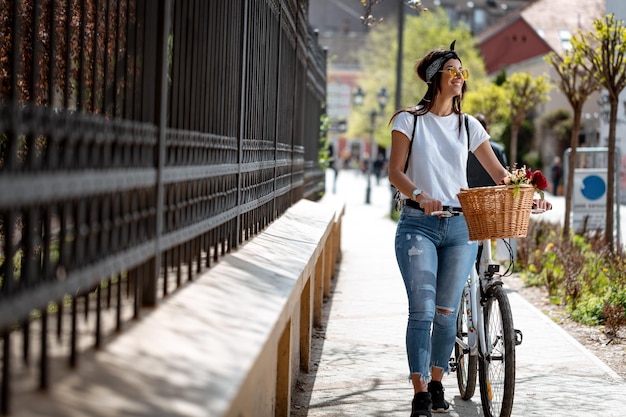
x: 497, y: 366
x: 466, y: 363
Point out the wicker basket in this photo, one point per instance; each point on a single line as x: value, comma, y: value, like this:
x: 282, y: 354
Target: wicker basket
x: 495, y: 213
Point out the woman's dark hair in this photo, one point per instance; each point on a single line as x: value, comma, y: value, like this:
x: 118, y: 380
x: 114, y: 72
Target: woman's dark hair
x: 434, y: 84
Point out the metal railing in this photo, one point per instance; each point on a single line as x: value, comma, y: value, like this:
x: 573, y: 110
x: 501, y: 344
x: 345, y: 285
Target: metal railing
x: 139, y: 141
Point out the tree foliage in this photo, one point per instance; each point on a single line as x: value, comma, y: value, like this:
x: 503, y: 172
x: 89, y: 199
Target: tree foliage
x: 559, y: 122
x: 604, y: 49
x: 64, y: 55
x: 491, y: 101
x: 524, y: 92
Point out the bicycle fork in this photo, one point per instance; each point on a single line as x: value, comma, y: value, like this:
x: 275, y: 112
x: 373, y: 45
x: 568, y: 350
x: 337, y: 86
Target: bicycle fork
x: 486, y: 283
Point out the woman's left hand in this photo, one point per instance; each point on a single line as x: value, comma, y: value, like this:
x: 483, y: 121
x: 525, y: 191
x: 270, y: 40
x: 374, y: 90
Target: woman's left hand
x: 541, y: 204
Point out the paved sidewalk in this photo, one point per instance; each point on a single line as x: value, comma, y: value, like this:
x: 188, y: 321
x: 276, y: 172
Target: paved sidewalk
x: 360, y: 355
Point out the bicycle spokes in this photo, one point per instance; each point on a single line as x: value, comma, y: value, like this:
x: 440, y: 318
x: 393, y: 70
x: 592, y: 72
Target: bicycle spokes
x: 497, y: 365
x: 466, y: 361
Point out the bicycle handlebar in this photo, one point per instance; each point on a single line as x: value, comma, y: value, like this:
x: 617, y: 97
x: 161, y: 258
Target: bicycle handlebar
x: 446, y: 213
x: 441, y: 213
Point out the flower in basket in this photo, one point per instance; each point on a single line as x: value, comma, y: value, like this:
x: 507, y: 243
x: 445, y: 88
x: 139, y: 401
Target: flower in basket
x: 523, y: 175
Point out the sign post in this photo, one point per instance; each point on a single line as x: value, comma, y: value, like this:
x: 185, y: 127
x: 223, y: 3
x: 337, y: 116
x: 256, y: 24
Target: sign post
x: 589, y: 196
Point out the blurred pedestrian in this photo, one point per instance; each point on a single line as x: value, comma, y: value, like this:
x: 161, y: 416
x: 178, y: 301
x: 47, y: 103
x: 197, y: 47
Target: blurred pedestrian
x: 379, y: 166
x: 557, y: 174
x: 333, y: 161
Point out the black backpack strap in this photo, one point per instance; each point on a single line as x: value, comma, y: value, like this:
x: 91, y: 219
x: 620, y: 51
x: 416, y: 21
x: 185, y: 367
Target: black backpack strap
x: 467, y: 130
x: 406, y: 163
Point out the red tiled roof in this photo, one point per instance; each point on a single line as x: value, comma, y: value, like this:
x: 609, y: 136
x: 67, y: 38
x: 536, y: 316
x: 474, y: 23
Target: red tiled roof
x: 536, y: 29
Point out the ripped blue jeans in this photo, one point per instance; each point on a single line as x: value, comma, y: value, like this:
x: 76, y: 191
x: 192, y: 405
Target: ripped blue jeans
x: 435, y: 257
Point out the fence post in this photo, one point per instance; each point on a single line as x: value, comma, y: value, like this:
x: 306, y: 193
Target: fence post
x: 163, y: 30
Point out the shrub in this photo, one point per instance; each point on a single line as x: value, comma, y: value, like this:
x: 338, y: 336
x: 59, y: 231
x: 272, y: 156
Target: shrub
x: 577, y: 271
x: 589, y: 311
x: 614, y: 318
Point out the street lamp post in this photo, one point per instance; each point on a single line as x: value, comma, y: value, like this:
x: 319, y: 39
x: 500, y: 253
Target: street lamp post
x: 370, y: 163
x: 383, y: 97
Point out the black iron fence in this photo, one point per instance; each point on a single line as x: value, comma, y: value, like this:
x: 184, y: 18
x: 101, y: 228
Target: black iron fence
x: 139, y: 141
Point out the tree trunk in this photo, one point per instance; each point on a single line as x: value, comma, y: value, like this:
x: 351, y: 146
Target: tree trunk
x: 518, y: 119
x: 610, y: 194
x: 514, y: 132
x: 569, y: 191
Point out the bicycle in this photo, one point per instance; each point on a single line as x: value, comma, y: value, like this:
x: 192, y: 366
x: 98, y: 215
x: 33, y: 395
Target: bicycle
x: 486, y: 338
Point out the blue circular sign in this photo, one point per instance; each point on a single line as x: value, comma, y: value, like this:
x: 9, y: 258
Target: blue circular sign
x: 593, y: 187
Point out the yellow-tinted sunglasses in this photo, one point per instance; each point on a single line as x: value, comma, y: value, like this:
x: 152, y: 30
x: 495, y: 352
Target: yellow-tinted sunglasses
x: 462, y: 72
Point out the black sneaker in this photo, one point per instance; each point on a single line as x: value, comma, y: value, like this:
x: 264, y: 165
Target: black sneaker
x: 421, y: 405
x: 440, y: 405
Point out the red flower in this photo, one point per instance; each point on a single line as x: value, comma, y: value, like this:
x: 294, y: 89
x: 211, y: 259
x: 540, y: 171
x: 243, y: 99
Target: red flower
x: 539, y: 180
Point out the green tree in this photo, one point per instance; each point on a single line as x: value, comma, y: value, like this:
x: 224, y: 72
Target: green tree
x: 491, y: 101
x: 525, y: 135
x: 524, y: 92
x: 558, y: 125
x: 604, y: 50
x: 577, y: 84
x: 378, y: 58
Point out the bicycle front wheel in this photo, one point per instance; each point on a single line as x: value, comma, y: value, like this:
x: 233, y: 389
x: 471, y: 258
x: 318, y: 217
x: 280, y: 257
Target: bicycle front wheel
x: 497, y: 365
x: 466, y: 363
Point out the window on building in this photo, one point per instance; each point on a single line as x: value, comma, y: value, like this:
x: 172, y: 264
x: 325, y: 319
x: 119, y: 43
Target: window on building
x: 480, y: 19
x: 565, y: 36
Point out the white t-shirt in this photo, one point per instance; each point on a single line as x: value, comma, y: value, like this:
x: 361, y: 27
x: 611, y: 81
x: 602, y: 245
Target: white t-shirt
x: 438, y: 162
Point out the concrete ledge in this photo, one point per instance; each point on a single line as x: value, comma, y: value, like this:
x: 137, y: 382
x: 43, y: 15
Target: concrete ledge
x: 229, y: 344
